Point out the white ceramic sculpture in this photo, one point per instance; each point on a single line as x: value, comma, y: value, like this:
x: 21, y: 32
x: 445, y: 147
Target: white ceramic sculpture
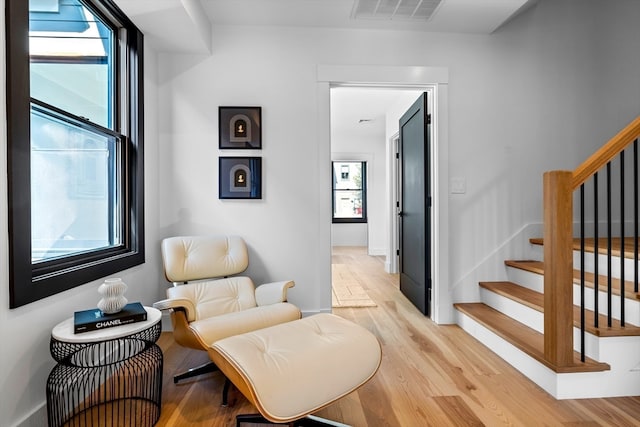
x: 113, y: 300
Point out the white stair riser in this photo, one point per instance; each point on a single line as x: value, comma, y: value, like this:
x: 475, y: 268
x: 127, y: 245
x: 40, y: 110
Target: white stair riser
x: 589, y: 385
x: 526, y: 279
x: 535, y: 282
x: 616, y: 382
x: 631, y: 306
x: 524, y: 363
x: 589, y: 263
x: 522, y: 313
x: 621, y: 353
x: 595, y: 346
x: 536, y: 252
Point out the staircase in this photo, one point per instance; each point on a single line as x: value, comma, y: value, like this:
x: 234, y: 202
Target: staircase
x: 572, y: 323
x: 509, y: 320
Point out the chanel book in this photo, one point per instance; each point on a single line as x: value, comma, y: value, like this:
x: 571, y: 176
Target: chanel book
x: 94, y: 319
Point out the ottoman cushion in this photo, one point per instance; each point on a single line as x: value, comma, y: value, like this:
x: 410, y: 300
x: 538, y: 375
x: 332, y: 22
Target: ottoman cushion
x: 293, y: 369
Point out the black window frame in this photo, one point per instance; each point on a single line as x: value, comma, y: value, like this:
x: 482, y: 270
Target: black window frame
x: 341, y: 220
x: 30, y: 281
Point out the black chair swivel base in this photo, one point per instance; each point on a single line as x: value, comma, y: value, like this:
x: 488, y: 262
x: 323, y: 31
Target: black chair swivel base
x: 205, y: 369
x: 308, y: 421
x: 194, y: 372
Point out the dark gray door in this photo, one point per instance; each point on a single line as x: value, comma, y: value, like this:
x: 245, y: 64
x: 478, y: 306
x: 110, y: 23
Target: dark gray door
x: 415, y: 206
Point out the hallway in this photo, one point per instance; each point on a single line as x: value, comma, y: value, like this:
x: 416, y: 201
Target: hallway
x: 350, y: 267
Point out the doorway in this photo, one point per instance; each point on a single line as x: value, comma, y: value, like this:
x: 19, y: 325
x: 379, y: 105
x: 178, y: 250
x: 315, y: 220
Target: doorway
x: 430, y: 78
x: 362, y: 120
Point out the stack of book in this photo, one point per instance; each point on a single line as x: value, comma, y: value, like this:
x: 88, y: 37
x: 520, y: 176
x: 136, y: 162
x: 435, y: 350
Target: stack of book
x: 94, y: 319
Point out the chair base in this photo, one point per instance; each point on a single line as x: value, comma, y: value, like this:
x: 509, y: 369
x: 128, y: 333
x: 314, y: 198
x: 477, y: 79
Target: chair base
x: 193, y: 372
x: 308, y: 421
x: 205, y: 369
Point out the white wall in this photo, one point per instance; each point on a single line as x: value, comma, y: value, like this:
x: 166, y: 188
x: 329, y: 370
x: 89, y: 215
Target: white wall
x: 522, y: 101
x: 542, y: 102
x: 345, y: 234
x: 541, y: 93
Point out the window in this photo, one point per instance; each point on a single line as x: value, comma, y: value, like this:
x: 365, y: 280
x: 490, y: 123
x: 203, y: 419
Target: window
x: 349, y: 191
x: 75, y: 144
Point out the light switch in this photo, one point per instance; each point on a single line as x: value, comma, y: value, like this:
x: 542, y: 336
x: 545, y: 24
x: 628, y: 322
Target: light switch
x: 458, y: 185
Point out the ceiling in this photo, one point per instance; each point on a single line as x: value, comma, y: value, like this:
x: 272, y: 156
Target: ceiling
x: 360, y: 112
x: 186, y: 25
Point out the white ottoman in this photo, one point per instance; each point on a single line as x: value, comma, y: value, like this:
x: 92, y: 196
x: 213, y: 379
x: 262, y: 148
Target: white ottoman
x: 291, y: 370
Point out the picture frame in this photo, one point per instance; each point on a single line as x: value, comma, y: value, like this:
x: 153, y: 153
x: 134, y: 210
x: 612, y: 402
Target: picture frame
x: 240, y: 128
x: 240, y: 178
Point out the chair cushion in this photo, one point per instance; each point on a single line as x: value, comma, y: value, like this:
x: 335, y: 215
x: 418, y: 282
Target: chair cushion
x: 216, y: 328
x: 294, y: 369
x: 188, y: 258
x: 216, y: 297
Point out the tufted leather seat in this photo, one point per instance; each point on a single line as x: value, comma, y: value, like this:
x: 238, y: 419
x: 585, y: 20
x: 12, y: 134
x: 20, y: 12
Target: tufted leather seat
x: 205, y: 304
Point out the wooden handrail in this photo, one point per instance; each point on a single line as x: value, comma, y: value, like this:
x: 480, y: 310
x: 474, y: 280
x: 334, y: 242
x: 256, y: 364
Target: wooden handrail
x: 606, y: 153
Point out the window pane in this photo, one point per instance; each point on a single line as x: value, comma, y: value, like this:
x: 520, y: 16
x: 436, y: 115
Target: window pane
x: 347, y: 204
x: 74, y: 193
x: 75, y: 181
x: 71, y: 59
x: 347, y: 175
x: 349, y: 192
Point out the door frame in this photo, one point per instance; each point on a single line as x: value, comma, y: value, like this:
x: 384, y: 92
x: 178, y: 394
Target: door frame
x: 392, y: 257
x: 419, y: 78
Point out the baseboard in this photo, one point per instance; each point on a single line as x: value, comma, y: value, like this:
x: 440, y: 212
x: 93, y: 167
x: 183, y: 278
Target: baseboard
x: 167, y: 326
x: 37, y: 418
x: 376, y: 252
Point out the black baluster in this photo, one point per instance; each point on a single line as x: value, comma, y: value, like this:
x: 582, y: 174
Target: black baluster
x: 622, y: 254
x: 609, y: 282
x: 635, y: 215
x: 582, y: 350
x: 596, y: 252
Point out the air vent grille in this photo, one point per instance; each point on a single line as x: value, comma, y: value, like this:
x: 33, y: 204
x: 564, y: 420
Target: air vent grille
x: 413, y: 10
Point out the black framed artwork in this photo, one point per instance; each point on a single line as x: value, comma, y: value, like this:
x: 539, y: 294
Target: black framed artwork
x: 240, y: 127
x: 240, y: 178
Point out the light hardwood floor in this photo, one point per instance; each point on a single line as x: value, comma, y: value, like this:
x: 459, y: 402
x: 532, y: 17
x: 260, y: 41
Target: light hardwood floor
x: 430, y: 375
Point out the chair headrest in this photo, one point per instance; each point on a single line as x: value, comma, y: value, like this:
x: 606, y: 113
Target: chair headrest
x: 187, y: 258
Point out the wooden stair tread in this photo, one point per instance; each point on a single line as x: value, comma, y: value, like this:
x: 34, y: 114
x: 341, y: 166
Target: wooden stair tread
x: 524, y: 338
x: 513, y: 291
x: 538, y: 268
x: 526, y: 265
x: 535, y: 301
x: 589, y: 245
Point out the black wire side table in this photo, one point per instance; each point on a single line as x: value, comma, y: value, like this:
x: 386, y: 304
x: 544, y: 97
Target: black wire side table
x: 108, y: 377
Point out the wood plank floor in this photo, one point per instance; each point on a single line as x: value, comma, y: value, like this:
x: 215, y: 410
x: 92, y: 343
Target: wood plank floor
x: 430, y: 375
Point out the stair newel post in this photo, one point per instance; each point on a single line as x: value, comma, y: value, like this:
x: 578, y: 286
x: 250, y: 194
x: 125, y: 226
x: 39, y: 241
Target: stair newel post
x: 558, y: 267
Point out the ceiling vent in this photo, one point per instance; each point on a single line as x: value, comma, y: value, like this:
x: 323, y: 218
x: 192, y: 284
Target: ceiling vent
x: 401, y: 10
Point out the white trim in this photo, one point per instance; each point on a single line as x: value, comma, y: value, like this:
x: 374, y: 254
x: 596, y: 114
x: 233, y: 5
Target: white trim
x: 323, y: 227
x: 391, y: 261
x: 393, y: 76
x: 385, y: 76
